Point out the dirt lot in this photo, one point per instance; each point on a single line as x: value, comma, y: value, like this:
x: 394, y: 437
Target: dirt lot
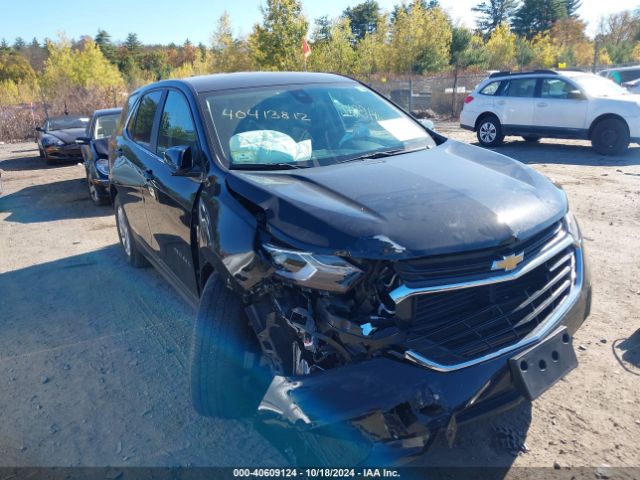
x: 93, y: 353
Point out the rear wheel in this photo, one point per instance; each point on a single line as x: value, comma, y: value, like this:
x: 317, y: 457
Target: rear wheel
x: 128, y: 242
x: 489, y: 131
x: 610, y: 137
x: 225, y: 383
x: 531, y: 138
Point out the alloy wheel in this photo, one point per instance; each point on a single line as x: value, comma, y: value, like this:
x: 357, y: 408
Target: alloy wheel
x: 488, y: 132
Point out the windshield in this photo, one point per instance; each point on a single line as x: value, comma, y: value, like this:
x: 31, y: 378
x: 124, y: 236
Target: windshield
x: 599, y: 87
x: 309, y: 126
x: 63, y: 123
x: 105, y: 126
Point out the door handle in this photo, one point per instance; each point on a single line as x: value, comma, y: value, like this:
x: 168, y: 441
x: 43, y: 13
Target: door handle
x: 542, y: 104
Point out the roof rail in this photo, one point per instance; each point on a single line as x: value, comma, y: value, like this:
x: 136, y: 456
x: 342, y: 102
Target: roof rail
x: 511, y: 74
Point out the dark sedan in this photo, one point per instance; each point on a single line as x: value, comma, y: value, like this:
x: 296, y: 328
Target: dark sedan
x: 95, y: 152
x: 56, y: 139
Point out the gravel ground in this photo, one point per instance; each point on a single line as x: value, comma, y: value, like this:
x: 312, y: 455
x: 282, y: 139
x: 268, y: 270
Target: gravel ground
x: 93, y: 353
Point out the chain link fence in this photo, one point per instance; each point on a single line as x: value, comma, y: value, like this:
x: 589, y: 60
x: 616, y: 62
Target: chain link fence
x: 429, y: 96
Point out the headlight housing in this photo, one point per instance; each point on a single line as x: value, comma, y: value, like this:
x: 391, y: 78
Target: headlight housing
x: 321, y: 272
x: 51, y: 141
x: 102, y: 165
x: 571, y: 225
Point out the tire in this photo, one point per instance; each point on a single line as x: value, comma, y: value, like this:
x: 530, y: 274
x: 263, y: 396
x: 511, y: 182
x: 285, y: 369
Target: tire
x: 489, y: 131
x: 610, y: 137
x: 221, y: 385
x: 531, y: 138
x: 127, y: 241
x: 94, y: 194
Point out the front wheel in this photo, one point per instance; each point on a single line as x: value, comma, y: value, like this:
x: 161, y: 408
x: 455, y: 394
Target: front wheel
x: 128, y: 242
x: 610, y: 137
x: 225, y: 382
x: 489, y: 131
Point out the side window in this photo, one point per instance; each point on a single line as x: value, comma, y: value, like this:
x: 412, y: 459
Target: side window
x: 491, y: 89
x: 176, y: 124
x: 521, y: 87
x: 144, y: 118
x: 555, y: 88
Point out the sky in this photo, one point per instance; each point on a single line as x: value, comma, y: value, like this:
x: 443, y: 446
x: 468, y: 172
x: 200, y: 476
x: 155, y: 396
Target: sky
x: 166, y: 21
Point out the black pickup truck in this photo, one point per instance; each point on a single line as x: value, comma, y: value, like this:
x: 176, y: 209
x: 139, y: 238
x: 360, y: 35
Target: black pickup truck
x: 352, y: 270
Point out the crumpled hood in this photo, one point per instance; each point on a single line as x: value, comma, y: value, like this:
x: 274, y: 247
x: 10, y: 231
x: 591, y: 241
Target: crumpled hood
x: 448, y: 199
x: 69, y: 135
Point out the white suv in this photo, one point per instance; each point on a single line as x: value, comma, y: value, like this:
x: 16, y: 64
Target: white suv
x: 556, y: 104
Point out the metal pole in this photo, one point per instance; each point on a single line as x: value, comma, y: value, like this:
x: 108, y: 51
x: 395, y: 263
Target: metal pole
x: 410, y: 95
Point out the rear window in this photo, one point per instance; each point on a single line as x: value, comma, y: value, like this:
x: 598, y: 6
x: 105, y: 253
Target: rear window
x: 621, y: 76
x: 491, y: 89
x: 521, y: 87
x: 144, y: 117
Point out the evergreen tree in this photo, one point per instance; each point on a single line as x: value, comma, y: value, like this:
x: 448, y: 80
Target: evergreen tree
x: 322, y: 29
x: 19, y: 44
x: 104, y: 43
x: 493, y: 13
x: 537, y: 16
x: 363, y: 18
x: 133, y: 45
x: 572, y: 7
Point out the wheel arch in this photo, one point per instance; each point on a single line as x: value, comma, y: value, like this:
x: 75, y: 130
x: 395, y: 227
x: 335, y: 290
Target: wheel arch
x: 483, y: 115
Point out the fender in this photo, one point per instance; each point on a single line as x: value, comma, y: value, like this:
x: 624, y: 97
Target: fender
x: 226, y: 235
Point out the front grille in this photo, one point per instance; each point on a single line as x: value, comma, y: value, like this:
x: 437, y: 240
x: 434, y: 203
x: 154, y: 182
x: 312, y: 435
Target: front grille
x: 460, y: 325
x: 448, y: 268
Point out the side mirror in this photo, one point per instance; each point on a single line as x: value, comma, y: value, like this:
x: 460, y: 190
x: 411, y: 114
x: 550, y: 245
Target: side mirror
x: 83, y: 140
x: 575, y: 95
x: 182, y: 158
x: 39, y: 129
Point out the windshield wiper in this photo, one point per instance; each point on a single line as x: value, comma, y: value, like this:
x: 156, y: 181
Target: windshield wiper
x: 381, y: 154
x: 265, y: 166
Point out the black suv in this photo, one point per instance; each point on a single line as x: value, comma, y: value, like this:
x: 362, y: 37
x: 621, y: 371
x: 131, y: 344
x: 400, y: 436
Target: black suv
x: 352, y: 270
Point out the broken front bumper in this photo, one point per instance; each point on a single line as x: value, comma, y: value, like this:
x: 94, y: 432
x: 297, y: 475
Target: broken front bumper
x: 398, y: 407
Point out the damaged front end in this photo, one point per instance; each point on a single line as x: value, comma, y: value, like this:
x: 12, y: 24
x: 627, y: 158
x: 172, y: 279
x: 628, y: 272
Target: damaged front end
x: 394, y: 351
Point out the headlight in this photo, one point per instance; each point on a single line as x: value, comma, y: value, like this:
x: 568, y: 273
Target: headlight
x: 50, y: 141
x: 571, y: 224
x: 320, y: 272
x: 102, y: 165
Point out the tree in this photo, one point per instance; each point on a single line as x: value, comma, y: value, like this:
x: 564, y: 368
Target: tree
x: 103, y: 40
x: 335, y: 54
x: 372, y: 52
x: 363, y: 18
x: 133, y: 45
x: 88, y: 68
x: 15, y: 67
x: 19, y: 44
x: 465, y: 51
x: 501, y: 49
x: 420, y: 39
x: 276, y: 44
x: 4, y: 46
x: 572, y: 7
x: 524, y: 52
x: 322, y: 29
x: 619, y: 33
x: 536, y: 16
x: 228, y: 54
x: 494, y: 13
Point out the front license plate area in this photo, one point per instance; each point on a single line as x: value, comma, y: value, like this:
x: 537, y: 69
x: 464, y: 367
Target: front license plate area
x: 538, y: 368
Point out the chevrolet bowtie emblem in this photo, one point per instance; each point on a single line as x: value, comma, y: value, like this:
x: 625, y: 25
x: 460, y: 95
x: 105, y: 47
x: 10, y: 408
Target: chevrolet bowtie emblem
x: 508, y: 263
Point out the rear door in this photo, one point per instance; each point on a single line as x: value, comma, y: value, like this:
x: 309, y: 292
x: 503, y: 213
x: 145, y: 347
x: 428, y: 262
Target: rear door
x: 514, y: 106
x: 557, y: 110
x: 132, y: 157
x: 169, y: 198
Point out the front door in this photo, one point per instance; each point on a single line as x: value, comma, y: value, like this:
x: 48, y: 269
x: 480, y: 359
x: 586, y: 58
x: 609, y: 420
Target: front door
x: 556, y: 110
x: 169, y: 198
